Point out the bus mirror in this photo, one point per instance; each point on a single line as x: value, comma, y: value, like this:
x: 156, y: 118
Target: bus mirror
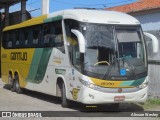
x: 155, y: 43
x: 81, y: 40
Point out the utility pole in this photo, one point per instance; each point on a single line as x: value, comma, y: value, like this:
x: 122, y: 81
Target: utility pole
x: 45, y: 7
x: 6, y: 15
x: 23, y: 10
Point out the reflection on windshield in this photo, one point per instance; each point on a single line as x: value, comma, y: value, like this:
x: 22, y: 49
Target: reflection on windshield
x: 129, y: 49
x: 96, y: 56
x: 109, y: 50
x: 97, y: 60
x: 99, y: 36
x: 129, y: 43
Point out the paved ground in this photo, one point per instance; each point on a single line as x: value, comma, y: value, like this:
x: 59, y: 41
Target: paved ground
x: 33, y: 101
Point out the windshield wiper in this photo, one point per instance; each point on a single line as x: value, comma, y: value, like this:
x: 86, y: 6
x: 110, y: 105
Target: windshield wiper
x: 109, y: 69
x: 124, y: 60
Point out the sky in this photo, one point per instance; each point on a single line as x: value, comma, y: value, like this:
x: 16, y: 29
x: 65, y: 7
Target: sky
x: 34, y: 6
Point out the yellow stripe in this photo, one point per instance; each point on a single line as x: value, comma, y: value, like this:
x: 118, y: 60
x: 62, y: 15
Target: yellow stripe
x: 22, y: 67
x: 108, y: 84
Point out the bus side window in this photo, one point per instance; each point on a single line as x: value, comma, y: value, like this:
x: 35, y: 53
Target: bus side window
x: 26, y: 38
x: 58, y: 36
x: 21, y: 38
x: 75, y: 51
x: 73, y: 44
x: 17, y: 39
x: 36, y: 36
x: 47, y: 35
x: 5, y: 39
x: 11, y: 40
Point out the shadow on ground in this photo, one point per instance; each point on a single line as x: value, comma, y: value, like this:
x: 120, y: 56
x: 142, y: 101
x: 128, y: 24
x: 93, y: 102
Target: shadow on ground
x: 124, y: 107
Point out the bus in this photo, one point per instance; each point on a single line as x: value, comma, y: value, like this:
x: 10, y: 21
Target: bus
x: 82, y: 55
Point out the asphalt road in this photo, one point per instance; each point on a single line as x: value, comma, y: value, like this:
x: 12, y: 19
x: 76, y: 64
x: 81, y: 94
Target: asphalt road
x: 34, y: 101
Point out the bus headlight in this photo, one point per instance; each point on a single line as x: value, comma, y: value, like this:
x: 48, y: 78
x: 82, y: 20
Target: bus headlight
x: 88, y: 84
x: 143, y: 85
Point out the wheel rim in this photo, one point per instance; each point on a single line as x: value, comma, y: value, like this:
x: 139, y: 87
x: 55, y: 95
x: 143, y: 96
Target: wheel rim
x: 9, y: 79
x: 17, y: 85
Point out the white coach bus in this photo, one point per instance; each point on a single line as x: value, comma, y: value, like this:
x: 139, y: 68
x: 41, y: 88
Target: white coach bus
x: 87, y: 56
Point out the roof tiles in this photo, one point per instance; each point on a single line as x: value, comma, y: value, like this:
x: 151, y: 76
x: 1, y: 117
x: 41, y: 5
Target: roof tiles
x: 141, y: 5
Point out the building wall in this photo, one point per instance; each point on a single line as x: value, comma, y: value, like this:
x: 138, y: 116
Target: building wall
x: 151, y: 23
x: 154, y: 80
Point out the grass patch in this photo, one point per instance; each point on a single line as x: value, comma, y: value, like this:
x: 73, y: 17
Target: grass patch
x: 151, y: 103
x: 154, y: 101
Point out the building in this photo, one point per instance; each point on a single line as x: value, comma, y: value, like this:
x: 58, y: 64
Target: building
x: 148, y: 13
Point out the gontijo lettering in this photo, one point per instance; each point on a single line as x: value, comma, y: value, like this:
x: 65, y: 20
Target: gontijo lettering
x: 18, y: 56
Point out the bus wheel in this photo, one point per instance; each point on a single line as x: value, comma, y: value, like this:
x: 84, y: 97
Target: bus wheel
x: 65, y: 102
x: 10, y: 81
x: 18, y: 89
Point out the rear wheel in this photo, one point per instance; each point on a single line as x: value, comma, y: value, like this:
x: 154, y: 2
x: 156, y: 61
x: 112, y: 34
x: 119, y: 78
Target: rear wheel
x: 13, y: 86
x: 18, y: 89
x: 65, y: 102
x: 10, y: 81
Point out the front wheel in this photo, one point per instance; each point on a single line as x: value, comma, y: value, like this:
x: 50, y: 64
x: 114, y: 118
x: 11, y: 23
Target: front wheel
x: 65, y: 102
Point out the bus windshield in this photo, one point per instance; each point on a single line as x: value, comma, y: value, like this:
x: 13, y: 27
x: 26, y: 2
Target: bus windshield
x: 114, y: 52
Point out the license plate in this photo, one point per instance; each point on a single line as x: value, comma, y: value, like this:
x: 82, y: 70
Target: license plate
x: 119, y: 98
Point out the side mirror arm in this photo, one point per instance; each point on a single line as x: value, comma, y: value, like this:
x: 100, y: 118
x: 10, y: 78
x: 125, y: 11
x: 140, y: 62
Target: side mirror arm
x: 81, y: 40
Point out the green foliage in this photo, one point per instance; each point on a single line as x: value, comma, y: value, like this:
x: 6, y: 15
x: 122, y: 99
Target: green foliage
x: 154, y: 101
x: 151, y: 103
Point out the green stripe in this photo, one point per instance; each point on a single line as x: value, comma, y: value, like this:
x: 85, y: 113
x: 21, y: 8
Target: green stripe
x: 53, y: 19
x: 126, y: 83
x: 138, y: 82
x: 133, y: 82
x: 39, y: 65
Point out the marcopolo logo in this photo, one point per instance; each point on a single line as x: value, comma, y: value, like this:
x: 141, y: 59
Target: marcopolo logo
x: 18, y: 56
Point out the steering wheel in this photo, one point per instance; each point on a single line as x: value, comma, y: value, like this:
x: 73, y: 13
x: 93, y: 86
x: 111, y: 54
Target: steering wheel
x: 100, y: 62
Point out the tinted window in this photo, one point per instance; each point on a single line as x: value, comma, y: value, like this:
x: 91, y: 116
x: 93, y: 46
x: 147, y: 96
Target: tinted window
x: 36, y: 36
x: 46, y: 35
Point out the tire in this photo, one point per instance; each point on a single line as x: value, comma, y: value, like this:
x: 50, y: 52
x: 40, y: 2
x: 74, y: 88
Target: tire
x: 18, y: 89
x: 13, y: 86
x: 65, y: 102
x: 10, y: 82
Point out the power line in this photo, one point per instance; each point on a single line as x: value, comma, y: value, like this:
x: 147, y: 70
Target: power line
x: 34, y: 10
x: 104, y: 4
x: 32, y: 2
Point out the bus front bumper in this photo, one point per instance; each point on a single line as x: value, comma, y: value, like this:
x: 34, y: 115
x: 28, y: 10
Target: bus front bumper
x: 91, y: 96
